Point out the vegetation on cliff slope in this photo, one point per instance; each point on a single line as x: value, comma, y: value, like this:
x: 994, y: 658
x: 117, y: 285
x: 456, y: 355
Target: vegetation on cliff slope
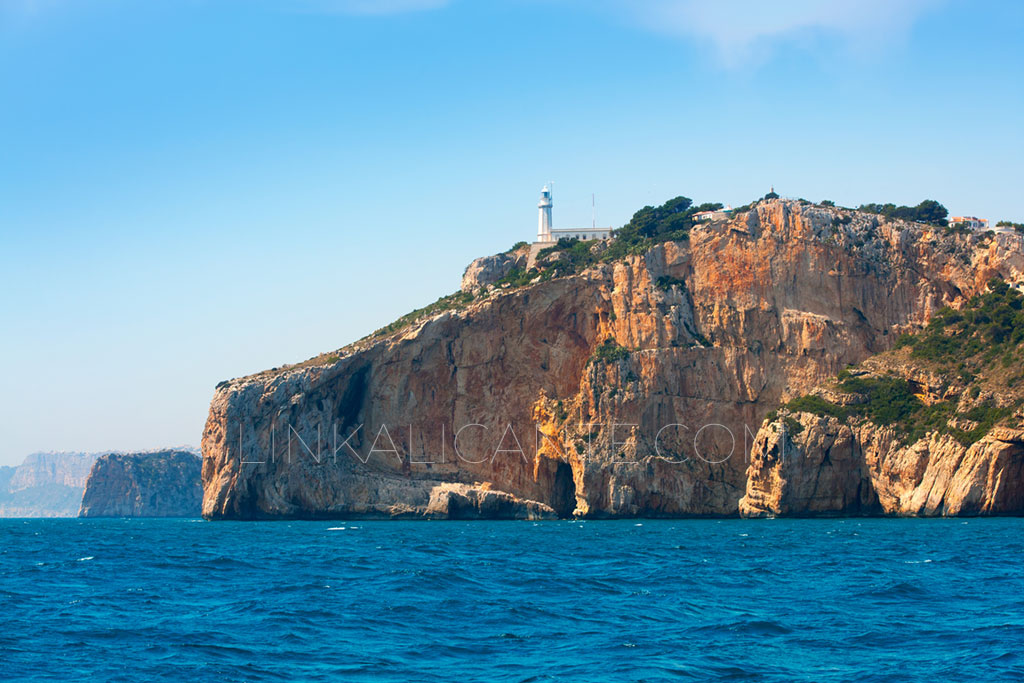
x: 653, y: 224
x: 929, y: 211
x: 979, y: 354
x: 990, y: 327
x: 445, y: 303
x: 888, y: 401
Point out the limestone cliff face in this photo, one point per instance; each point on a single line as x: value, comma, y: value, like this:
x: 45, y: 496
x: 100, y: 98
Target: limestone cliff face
x: 156, y: 484
x: 587, y: 394
x: 808, y: 464
x: 832, y: 468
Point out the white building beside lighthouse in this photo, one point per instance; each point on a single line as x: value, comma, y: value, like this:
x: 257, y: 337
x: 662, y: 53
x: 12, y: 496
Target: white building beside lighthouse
x: 547, y: 234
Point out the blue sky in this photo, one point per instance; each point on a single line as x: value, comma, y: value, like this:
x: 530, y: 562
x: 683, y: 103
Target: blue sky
x: 196, y: 190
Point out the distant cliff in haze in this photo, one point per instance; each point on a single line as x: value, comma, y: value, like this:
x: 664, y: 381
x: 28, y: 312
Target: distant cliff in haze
x: 45, y: 485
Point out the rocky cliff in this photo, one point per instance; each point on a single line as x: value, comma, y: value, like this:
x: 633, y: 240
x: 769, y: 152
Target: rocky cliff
x: 153, y: 484
x: 487, y: 270
x: 45, y: 485
x: 935, y: 427
x: 634, y: 385
x: 831, y: 468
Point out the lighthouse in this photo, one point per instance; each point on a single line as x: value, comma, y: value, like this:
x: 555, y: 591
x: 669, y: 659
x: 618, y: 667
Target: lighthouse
x: 549, y: 235
x: 544, y: 219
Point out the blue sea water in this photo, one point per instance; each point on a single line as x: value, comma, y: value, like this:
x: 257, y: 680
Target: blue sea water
x: 767, y: 600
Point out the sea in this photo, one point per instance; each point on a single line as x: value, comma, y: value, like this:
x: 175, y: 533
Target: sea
x: 629, y: 600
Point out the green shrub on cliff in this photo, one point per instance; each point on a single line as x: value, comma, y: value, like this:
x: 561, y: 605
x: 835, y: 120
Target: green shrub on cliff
x: 666, y: 283
x: 609, y: 352
x: 518, y: 277
x: 985, y: 416
x: 576, y: 255
x: 816, y: 405
x: 793, y: 426
x: 886, y: 400
x: 929, y: 211
x: 654, y: 224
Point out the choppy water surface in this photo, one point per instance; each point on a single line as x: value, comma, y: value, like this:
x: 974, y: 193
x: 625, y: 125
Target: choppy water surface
x: 772, y: 600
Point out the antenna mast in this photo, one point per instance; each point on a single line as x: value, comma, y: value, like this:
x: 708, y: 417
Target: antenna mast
x: 593, y: 211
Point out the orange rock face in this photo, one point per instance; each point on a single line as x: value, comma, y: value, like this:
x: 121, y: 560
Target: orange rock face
x: 832, y: 468
x: 514, y: 394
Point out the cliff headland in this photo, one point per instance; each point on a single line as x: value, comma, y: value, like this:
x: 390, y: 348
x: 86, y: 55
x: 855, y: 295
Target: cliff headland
x: 633, y: 377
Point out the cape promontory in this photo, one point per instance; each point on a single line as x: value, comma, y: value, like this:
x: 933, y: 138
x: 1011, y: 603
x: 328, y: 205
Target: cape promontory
x: 612, y: 378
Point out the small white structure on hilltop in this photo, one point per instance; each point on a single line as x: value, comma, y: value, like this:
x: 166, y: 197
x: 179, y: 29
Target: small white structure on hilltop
x: 716, y: 215
x: 972, y: 222
x: 546, y: 234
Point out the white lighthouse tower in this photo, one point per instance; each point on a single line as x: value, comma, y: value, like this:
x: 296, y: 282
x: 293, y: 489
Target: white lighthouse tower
x: 546, y: 234
x: 544, y: 219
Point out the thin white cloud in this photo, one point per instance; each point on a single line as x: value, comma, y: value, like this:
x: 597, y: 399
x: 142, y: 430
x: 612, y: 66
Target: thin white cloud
x: 739, y: 30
